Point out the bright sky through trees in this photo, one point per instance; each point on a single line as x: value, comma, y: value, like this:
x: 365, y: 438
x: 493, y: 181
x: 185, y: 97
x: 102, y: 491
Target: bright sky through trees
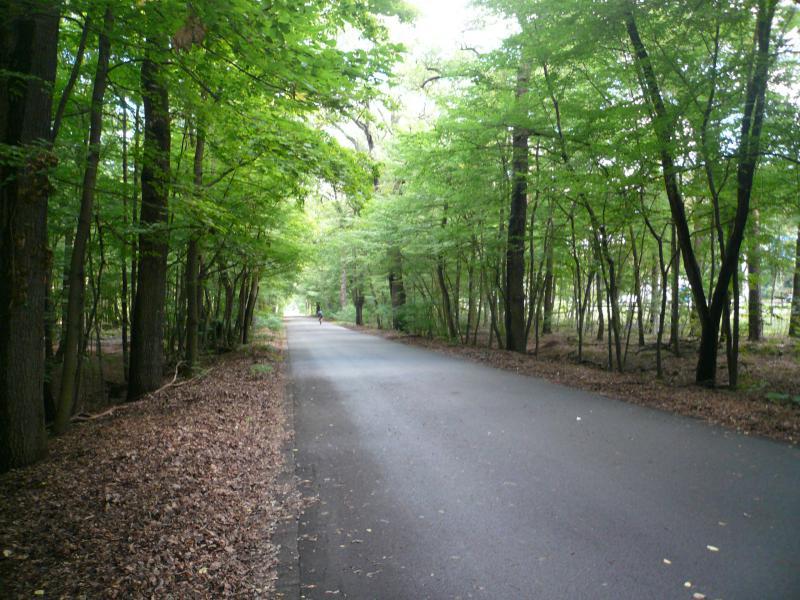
x: 445, y: 26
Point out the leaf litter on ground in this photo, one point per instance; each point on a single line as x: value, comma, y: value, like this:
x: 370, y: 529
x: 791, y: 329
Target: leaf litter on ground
x: 176, y: 497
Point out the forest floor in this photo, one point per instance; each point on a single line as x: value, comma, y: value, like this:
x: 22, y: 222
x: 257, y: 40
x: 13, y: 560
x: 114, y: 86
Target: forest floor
x: 177, y: 495
x: 767, y: 402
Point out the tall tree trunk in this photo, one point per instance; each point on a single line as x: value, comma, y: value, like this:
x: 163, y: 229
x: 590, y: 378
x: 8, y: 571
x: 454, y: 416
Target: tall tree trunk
x: 516, y: 339
x: 637, y: 288
x: 49, y: 356
x: 447, y: 312
x: 755, y: 320
x: 600, y: 319
x: 675, y: 316
x: 137, y: 158
x: 124, y: 318
x: 358, y: 303
x: 549, y: 289
x: 228, y: 314
x: 193, y: 261
x: 77, y: 277
x: 794, y: 320
x: 29, y: 34
x: 241, y: 313
x: 250, y: 311
x: 655, y: 293
x: 710, y: 313
x: 147, y: 328
x: 397, y: 290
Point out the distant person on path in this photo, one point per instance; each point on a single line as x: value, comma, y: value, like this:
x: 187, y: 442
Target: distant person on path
x: 319, y: 315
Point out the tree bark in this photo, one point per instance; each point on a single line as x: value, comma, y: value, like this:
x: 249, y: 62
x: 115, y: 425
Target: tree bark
x: 124, y: 250
x: 637, y: 288
x: 77, y: 276
x: 250, y: 311
x: 794, y: 320
x: 447, y: 313
x: 516, y: 339
x: 600, y: 318
x: 28, y: 47
x: 193, y: 261
x: 755, y: 320
x: 147, y: 328
x: 549, y: 281
x: 397, y: 291
x: 675, y: 307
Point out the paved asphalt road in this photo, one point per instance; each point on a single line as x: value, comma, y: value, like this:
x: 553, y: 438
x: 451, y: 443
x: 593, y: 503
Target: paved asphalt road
x: 441, y: 478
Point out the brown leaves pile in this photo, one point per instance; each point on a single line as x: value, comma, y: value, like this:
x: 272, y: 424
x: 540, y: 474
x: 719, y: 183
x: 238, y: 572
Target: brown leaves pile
x: 177, y: 495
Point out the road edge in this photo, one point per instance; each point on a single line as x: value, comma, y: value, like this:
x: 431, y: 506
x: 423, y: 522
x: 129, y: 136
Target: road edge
x: 287, y: 585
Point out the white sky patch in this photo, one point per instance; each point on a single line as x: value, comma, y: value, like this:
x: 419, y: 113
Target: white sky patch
x: 444, y: 27
x: 441, y: 31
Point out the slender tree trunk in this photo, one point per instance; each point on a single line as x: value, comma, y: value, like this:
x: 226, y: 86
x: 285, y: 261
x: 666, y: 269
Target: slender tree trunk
x: 250, y: 311
x: 397, y: 290
x: 549, y: 285
x: 73, y: 78
x: 637, y: 284
x: 124, y: 246
x: 447, y: 313
x: 228, y: 315
x: 241, y: 313
x: 147, y: 328
x: 516, y: 339
x: 600, y: 319
x: 193, y: 261
x: 675, y: 317
x: 75, y: 303
x: 794, y: 321
x: 755, y: 321
x: 137, y: 156
x: 655, y: 294
x: 29, y: 34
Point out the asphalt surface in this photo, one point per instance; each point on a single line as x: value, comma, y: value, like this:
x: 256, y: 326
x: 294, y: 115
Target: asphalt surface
x: 441, y: 478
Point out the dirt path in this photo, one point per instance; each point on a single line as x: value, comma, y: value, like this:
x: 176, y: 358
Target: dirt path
x: 178, y: 495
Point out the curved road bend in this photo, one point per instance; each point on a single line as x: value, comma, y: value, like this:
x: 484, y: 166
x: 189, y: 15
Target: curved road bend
x: 442, y: 478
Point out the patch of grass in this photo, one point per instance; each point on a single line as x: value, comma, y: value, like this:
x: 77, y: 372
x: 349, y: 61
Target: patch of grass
x: 261, y: 369
x: 270, y: 321
x: 781, y: 398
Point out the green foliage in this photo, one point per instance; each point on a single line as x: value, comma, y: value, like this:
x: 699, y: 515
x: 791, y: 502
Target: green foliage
x: 594, y: 179
x: 261, y: 369
x: 270, y: 321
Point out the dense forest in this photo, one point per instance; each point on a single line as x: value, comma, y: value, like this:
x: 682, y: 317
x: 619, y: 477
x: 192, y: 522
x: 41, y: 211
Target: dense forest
x: 623, y: 171
x: 155, y: 159
x: 626, y: 172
